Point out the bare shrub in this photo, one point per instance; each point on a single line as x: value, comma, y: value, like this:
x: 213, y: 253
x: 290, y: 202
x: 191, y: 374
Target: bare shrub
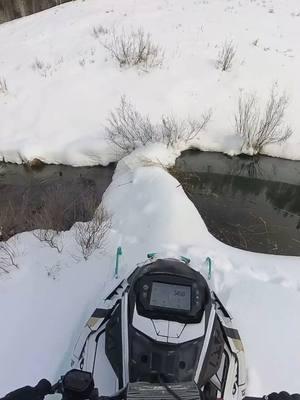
x: 52, y: 218
x: 8, y: 221
x: 128, y: 129
x: 99, y: 31
x: 258, y: 129
x: 86, y: 205
x: 134, y: 49
x: 7, y: 257
x: 50, y: 237
x: 226, y: 56
x: 3, y: 86
x: 174, y: 131
x: 90, y: 236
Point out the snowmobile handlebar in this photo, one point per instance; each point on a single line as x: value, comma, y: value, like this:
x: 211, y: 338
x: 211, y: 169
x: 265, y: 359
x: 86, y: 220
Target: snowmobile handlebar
x: 37, y: 392
x: 79, y: 385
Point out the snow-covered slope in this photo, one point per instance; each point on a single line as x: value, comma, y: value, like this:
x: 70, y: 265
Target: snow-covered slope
x: 57, y: 111
x: 45, y: 303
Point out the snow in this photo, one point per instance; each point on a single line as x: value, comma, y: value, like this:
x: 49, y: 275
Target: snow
x: 58, y: 112
x: 65, y: 103
x: 45, y: 303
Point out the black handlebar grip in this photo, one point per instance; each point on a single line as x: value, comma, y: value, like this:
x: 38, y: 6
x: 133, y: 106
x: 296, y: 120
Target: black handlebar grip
x: 253, y: 398
x: 31, y: 393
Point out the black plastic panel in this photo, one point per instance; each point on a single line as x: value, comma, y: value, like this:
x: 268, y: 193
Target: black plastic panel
x: 213, y: 356
x: 113, y: 343
x: 149, y: 359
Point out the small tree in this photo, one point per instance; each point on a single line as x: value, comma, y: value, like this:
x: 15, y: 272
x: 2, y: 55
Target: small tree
x: 226, y: 56
x: 258, y: 129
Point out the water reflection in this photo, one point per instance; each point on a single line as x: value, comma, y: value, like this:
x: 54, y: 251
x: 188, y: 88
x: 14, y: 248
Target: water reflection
x: 250, y: 203
x: 54, y: 196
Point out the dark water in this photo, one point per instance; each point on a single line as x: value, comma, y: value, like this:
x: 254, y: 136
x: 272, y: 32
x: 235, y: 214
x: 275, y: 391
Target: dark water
x: 249, y: 203
x: 54, y: 196
x: 11, y: 9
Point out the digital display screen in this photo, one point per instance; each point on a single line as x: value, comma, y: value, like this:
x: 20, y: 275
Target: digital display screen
x: 170, y: 296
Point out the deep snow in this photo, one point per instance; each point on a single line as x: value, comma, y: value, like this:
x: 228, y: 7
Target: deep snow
x: 41, y: 316
x: 65, y: 102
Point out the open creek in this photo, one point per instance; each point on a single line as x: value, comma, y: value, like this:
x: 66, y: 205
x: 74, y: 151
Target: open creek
x: 252, y: 203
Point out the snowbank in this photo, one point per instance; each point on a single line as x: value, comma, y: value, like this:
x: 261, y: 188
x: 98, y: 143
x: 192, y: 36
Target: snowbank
x: 44, y: 304
x: 62, y: 83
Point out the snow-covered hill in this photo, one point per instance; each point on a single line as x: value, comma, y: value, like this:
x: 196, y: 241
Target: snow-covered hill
x: 62, y: 83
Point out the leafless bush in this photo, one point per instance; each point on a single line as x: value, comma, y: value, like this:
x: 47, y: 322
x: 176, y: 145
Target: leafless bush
x: 134, y: 49
x: 7, y: 257
x: 174, y: 131
x: 51, y: 219
x: 7, y: 221
x: 3, y: 86
x: 99, y: 31
x: 226, y: 56
x: 90, y: 236
x: 128, y: 129
x: 52, y: 238
x: 258, y: 129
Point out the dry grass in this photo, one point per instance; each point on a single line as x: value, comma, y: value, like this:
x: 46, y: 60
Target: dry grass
x: 226, y: 56
x: 134, y: 49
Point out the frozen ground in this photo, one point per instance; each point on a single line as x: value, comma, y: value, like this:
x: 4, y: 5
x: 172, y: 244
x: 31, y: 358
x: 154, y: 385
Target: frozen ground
x: 62, y: 83
x: 45, y: 303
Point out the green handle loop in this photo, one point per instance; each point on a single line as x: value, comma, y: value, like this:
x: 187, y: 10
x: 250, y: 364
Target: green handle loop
x: 119, y: 253
x: 209, y: 262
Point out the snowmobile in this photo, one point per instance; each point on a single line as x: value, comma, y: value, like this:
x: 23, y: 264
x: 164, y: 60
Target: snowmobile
x: 160, y: 333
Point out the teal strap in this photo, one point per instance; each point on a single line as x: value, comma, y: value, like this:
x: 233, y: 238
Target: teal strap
x: 151, y: 255
x: 209, y: 263
x: 119, y: 253
x: 185, y: 259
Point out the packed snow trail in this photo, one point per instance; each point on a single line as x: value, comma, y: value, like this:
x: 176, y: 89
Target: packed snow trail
x: 45, y: 303
x: 62, y: 83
